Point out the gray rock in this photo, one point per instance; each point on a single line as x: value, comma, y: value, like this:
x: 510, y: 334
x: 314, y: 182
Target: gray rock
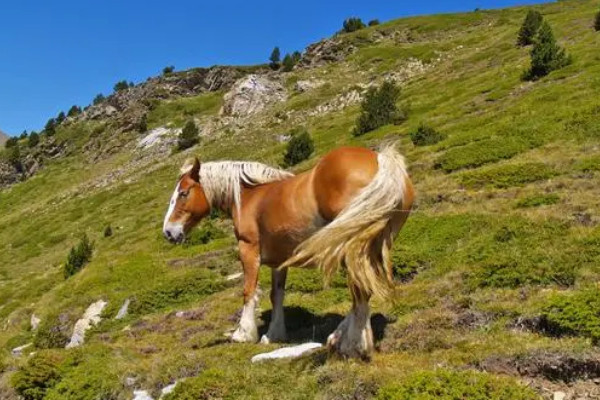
x: 90, y: 317
x: 35, y: 322
x: 251, y: 95
x: 141, y: 395
x: 123, y: 310
x: 18, y: 351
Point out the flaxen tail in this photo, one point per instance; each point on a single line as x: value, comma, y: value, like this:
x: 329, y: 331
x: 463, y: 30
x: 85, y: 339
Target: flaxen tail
x: 360, y: 237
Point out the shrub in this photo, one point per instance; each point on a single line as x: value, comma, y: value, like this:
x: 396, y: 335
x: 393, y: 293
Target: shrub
x: 530, y: 27
x: 546, y: 55
x: 426, y: 135
x: 14, y: 157
x: 98, y: 99
x: 50, y: 127
x: 597, y: 22
x: 379, y: 108
x: 40, y: 374
x: 539, y: 200
x: 34, y: 139
x: 168, y: 70
x: 483, y: 152
x: 575, y: 314
x: 79, y: 256
x: 24, y: 135
x: 188, y: 136
x: 204, y: 234
x: 121, y: 85
x: 296, y: 56
x: 505, y: 176
x: 60, y: 118
x: 275, y: 58
x: 443, y: 384
x: 373, y: 22
x: 74, y: 111
x: 288, y: 63
x: 352, y: 24
x: 108, y: 232
x: 299, y: 148
x: 11, y: 142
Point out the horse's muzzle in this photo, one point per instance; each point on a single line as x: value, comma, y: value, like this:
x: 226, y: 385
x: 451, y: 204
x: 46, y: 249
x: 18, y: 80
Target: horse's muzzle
x: 174, y: 234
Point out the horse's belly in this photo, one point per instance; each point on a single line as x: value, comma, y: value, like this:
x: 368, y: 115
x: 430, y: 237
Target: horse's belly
x: 278, y: 245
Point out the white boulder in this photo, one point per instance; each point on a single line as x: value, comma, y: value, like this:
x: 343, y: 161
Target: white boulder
x: 90, y: 317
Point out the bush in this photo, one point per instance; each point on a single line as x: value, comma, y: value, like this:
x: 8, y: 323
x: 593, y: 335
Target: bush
x: 188, y: 136
x: 205, y: 233
x: 352, y: 25
x: 78, y: 257
x: 379, y: 108
x: 40, y: 374
x: 98, y: 99
x: 34, y: 139
x: 74, y: 111
x: 11, y: 142
x: 108, y: 232
x: 168, y: 70
x: 505, y: 176
x: 597, y: 22
x: 539, y: 200
x: 546, y: 55
x: 299, y: 148
x: 60, y: 118
x: 443, y: 384
x: 425, y: 136
x: 50, y: 127
x: 275, y: 58
x: 288, y: 63
x: 575, y: 314
x: 483, y: 152
x: 24, y: 135
x: 530, y: 27
x: 14, y: 157
x: 121, y: 85
x: 373, y: 22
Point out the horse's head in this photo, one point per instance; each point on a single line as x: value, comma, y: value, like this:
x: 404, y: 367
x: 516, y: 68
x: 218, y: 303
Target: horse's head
x: 188, y: 203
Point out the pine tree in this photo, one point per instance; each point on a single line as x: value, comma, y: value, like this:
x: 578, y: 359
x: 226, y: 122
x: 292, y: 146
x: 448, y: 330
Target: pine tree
x: 188, y: 136
x: 79, y: 256
x: 373, y: 22
x: 121, y: 85
x: 352, y: 24
x: 530, y: 27
x: 597, y: 22
x: 288, y: 63
x: 296, y: 56
x: 275, y: 58
x: 98, y: 99
x: 60, y: 118
x: 168, y: 70
x: 50, y: 127
x: 379, y: 108
x: 34, y: 139
x: 299, y: 148
x: 546, y: 54
x: 74, y: 111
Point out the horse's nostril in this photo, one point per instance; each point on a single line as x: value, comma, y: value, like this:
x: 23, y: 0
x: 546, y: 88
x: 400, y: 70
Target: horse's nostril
x: 168, y: 235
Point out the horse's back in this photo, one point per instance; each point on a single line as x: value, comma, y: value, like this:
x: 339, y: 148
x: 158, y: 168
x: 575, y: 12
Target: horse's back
x: 339, y: 176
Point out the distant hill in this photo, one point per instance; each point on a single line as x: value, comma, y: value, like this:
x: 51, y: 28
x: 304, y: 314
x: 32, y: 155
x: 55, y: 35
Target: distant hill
x: 3, y: 138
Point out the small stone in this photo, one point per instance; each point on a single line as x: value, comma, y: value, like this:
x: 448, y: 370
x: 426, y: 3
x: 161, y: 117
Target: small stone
x: 559, y: 396
x: 123, y: 310
x: 35, y: 322
x: 130, y: 381
x: 141, y: 395
x: 168, y: 389
x: 18, y: 351
x: 287, y: 352
x: 233, y: 277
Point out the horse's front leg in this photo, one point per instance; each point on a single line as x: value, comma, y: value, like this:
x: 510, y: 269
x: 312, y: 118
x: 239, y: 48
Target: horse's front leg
x: 250, y: 257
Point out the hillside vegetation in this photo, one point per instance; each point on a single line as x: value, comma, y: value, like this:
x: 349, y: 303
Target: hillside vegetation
x: 498, y: 268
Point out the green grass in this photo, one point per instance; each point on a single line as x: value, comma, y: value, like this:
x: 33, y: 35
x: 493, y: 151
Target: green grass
x: 496, y: 231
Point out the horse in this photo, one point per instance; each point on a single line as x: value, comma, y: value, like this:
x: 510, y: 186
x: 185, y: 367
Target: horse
x: 343, y: 213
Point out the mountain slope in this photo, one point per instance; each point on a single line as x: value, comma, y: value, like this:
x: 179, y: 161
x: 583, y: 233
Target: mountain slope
x: 497, y: 266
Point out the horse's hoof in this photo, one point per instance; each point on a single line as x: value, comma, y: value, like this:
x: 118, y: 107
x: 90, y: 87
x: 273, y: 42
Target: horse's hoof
x: 265, y: 340
x: 241, y: 336
x: 273, y: 338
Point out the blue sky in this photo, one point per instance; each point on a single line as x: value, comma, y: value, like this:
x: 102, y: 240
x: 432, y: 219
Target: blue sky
x: 55, y: 54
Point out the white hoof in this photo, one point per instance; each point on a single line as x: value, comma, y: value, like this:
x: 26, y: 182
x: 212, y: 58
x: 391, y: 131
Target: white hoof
x: 274, y: 337
x: 265, y: 340
x: 351, y: 340
x: 245, y: 336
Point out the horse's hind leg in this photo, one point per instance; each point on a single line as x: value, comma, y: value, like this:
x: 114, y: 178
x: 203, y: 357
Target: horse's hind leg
x: 247, y: 330
x: 354, y: 336
x: 276, y: 332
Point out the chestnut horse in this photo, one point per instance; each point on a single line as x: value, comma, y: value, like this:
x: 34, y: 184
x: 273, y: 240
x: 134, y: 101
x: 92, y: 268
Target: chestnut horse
x: 345, y: 212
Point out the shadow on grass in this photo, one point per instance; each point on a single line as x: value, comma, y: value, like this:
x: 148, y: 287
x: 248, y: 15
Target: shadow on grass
x: 304, y: 325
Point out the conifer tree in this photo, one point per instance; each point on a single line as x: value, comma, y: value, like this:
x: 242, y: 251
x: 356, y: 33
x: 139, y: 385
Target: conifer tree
x: 530, y: 27
x: 546, y: 54
x: 275, y: 58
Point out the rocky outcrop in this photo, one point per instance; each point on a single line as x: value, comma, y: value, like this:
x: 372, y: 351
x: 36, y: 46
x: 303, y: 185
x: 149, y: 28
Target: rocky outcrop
x: 326, y: 51
x: 90, y: 317
x: 252, y: 94
x: 307, y: 85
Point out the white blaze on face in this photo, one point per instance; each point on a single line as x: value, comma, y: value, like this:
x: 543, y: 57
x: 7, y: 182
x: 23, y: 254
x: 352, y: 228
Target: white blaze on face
x: 171, y: 207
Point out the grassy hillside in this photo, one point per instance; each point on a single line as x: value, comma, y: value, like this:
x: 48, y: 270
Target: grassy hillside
x: 498, y: 267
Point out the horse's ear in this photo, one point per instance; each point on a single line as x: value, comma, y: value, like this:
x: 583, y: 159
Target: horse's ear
x: 192, y: 167
x: 195, y: 171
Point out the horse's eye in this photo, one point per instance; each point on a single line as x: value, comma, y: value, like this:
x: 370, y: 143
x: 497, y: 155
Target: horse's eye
x: 183, y: 195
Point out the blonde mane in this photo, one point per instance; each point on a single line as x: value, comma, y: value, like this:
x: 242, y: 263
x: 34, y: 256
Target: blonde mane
x: 222, y: 180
